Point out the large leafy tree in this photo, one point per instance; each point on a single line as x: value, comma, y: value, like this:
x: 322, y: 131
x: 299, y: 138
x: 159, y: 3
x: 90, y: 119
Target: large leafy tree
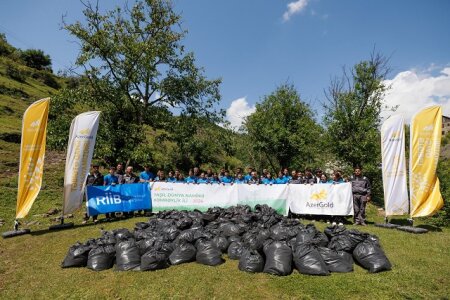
x: 353, y: 111
x: 353, y: 117
x: 135, y: 69
x: 283, y: 129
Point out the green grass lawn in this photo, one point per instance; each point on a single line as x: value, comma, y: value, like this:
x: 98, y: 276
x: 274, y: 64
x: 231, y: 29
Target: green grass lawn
x: 30, y: 269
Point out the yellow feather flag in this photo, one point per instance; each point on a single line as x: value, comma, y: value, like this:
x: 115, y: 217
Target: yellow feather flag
x: 426, y: 133
x: 32, y: 152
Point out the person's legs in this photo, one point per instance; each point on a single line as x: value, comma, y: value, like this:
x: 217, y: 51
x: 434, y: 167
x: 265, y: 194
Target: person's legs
x: 356, y: 209
x: 362, y: 210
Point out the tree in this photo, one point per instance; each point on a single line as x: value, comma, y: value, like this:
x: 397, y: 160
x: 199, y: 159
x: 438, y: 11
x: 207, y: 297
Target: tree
x: 135, y: 70
x: 353, y: 117
x: 283, y: 129
x: 36, y: 59
x: 352, y: 112
x: 138, y: 53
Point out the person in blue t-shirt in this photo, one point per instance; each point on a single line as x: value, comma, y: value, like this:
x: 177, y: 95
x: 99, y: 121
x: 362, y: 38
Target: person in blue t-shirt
x: 286, y: 175
x: 191, y: 178
x: 215, y: 178
x: 268, y: 179
x: 171, y: 177
x: 337, y: 178
x: 249, y: 174
x: 239, y: 179
x: 111, y: 178
x: 202, y: 178
x: 146, y: 175
x: 280, y: 179
x: 226, y: 178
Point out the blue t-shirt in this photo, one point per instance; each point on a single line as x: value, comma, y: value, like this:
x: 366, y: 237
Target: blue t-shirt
x: 247, y: 177
x: 147, y: 176
x: 336, y: 182
x: 226, y: 179
x: 267, y: 181
x: 202, y: 180
x: 110, y: 179
x: 171, y: 179
x: 191, y: 179
x: 287, y: 178
x: 280, y: 180
x: 240, y: 181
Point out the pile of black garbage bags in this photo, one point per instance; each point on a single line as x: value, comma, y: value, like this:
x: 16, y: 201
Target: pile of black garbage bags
x: 261, y: 239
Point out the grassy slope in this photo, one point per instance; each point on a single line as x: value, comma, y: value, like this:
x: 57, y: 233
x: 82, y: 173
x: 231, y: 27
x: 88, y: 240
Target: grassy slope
x: 29, y: 265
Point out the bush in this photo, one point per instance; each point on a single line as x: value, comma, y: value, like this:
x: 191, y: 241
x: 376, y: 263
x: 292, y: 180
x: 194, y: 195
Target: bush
x: 36, y: 59
x: 15, y: 73
x: 442, y: 218
x: 49, y: 80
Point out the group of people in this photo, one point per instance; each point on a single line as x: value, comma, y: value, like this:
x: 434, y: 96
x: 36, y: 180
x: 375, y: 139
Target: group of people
x: 361, y: 186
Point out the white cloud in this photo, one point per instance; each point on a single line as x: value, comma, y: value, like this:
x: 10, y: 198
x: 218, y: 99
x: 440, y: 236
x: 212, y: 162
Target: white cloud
x: 294, y: 8
x: 414, y: 89
x: 238, y: 110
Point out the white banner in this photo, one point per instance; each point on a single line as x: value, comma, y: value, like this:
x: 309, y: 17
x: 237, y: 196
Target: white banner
x: 321, y: 199
x: 83, y: 132
x: 189, y: 196
x: 394, y: 166
x: 274, y: 196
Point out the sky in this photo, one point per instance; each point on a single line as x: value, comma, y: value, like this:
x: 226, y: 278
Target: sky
x: 255, y: 46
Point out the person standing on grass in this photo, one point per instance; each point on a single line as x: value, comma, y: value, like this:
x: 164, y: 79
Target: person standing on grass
x: 254, y: 179
x: 361, y: 190
x: 95, y: 178
x: 239, y: 179
x: 111, y: 179
x: 309, y: 178
x: 268, y: 179
x: 202, y: 178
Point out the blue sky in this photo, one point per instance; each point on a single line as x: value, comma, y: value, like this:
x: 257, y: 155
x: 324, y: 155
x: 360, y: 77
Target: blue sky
x: 254, y: 46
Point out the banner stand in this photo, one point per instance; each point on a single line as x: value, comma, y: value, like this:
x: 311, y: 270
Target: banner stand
x: 62, y: 225
x: 16, y: 231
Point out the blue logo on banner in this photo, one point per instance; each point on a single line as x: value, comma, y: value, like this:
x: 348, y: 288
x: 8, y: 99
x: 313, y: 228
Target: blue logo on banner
x: 118, y: 198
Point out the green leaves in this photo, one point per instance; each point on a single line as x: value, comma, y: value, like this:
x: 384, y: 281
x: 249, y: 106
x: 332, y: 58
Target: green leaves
x: 284, y: 129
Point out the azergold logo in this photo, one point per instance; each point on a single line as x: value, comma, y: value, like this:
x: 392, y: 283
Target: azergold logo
x: 428, y: 128
x: 35, y: 123
x: 321, y: 195
x: 84, y: 131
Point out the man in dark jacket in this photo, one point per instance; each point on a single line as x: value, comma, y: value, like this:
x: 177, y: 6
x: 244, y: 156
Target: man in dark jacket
x: 94, y: 178
x: 361, y: 190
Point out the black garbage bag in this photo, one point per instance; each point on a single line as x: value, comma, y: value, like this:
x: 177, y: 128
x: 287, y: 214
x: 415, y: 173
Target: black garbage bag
x: 320, y: 239
x: 336, y: 261
x: 184, y: 253
x: 127, y: 256
x: 278, y: 258
x: 221, y: 243
x: 183, y: 223
x: 252, y: 241
x: 251, y: 261
x: 154, y: 260
x: 208, y: 253
x: 122, y: 234
x: 141, y: 225
x: 279, y: 233
x: 308, y: 260
x: 235, y: 250
x: 234, y: 238
x: 230, y: 229
x: 146, y: 244
x: 188, y: 235
x: 305, y: 235
x: 170, y: 233
x: 76, y: 257
x: 101, y: 258
x: 371, y: 257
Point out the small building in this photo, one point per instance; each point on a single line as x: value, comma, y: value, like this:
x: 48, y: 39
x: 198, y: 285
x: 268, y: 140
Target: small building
x: 445, y: 125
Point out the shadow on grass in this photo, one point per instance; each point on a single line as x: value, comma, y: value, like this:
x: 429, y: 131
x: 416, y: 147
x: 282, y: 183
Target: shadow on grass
x: 430, y: 228
x: 100, y: 225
